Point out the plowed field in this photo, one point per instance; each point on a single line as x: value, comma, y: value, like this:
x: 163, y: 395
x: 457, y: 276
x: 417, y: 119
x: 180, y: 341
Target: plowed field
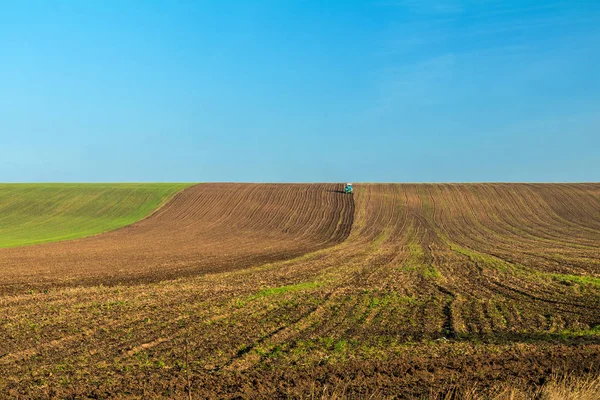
x: 206, y: 228
x: 261, y: 291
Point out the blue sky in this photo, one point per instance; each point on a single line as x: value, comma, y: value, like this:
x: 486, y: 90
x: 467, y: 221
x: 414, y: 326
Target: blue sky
x: 382, y: 90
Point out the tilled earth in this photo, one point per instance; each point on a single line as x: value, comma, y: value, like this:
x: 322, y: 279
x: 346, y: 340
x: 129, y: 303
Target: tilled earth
x: 205, y: 228
x: 235, y: 290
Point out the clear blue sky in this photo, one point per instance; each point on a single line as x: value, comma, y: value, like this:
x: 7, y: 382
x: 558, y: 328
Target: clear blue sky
x: 382, y: 90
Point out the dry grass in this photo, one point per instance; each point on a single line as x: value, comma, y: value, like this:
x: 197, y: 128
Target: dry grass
x: 558, y: 388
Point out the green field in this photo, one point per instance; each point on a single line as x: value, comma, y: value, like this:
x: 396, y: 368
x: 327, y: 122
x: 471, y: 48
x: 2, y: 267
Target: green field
x: 40, y: 213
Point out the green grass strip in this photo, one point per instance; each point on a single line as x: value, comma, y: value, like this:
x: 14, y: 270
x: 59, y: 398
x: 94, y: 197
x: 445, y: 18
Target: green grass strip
x: 41, y: 213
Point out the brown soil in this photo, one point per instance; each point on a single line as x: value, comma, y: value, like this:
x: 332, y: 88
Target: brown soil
x: 205, y: 228
x: 285, y: 290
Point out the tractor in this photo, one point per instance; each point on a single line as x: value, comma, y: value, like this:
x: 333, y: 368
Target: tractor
x: 348, y: 188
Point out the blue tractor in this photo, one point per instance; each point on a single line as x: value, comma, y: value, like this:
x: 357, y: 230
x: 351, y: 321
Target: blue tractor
x: 348, y: 188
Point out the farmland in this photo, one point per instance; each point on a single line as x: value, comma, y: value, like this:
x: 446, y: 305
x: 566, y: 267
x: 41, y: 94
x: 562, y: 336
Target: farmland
x: 35, y: 213
x: 277, y: 290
